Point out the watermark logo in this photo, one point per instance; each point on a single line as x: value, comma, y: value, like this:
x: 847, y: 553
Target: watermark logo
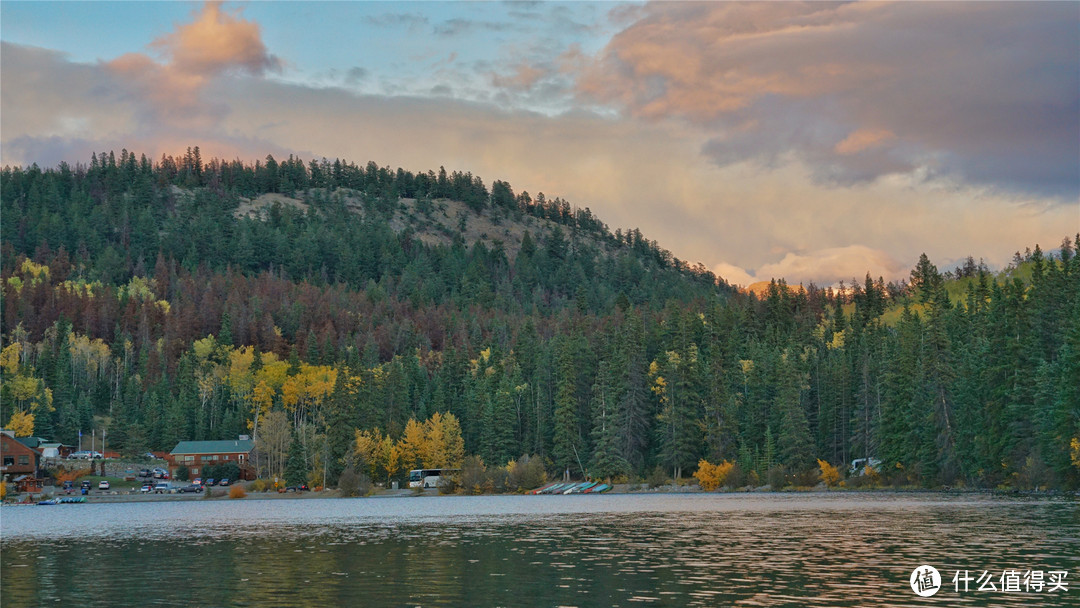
x: 925, y: 581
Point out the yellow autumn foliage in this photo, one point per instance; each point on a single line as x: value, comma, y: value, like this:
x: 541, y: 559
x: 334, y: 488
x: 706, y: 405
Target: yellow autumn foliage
x: 9, y: 357
x: 829, y: 474
x: 22, y: 423
x: 711, y: 476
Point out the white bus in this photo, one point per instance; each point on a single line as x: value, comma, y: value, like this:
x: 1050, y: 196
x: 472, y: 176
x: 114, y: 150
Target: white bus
x: 427, y: 478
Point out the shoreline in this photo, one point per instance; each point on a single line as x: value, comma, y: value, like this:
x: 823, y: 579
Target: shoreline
x: 620, y: 489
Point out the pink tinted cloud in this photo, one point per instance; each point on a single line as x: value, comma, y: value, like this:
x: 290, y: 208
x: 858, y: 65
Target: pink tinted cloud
x: 988, y: 93
x: 215, y: 43
x: 826, y: 266
x: 863, y: 139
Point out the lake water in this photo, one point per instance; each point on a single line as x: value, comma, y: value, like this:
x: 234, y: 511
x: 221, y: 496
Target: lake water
x: 609, y: 550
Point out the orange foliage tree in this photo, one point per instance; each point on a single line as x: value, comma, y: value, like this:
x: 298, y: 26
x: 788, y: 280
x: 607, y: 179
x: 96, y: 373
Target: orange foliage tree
x: 712, y: 476
x: 72, y: 475
x: 829, y: 474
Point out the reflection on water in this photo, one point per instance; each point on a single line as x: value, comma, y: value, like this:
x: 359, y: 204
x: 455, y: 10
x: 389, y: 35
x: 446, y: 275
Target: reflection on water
x: 667, y: 550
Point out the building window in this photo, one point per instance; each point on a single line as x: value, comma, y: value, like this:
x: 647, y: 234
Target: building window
x: 226, y: 456
x: 189, y: 458
x: 195, y: 471
x: 24, y: 460
x: 9, y: 461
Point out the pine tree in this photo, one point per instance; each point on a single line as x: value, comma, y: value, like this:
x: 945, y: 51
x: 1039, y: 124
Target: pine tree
x: 606, y: 460
x: 566, y: 439
x: 794, y: 441
x: 296, y: 463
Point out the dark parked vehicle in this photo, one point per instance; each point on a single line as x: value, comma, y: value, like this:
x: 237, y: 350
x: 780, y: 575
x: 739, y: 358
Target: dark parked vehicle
x: 145, y: 473
x: 223, y: 482
x: 211, y: 482
x: 68, y: 485
x: 300, y: 488
x: 192, y: 488
x: 85, y: 484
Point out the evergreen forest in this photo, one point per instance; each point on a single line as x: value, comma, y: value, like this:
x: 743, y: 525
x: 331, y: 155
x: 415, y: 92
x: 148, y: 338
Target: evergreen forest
x: 330, y: 310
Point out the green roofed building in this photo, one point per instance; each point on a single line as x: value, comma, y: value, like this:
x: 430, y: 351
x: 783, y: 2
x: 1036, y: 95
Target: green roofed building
x: 197, y: 455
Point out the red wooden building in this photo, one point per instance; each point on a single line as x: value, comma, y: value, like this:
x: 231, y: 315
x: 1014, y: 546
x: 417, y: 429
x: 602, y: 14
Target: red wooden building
x: 197, y: 455
x: 15, y: 458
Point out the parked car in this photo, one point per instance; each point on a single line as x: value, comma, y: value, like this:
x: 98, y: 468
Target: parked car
x: 146, y: 489
x: 223, y: 482
x: 85, y: 484
x: 197, y: 481
x: 96, y: 455
x: 103, y: 485
x: 300, y: 488
x: 80, y: 455
x: 150, y: 456
x: 160, y: 473
x: 161, y: 488
x: 191, y: 488
x: 211, y: 482
x: 68, y: 484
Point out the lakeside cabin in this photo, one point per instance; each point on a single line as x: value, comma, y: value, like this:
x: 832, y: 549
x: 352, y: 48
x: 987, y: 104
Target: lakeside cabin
x: 18, y: 459
x: 196, y: 455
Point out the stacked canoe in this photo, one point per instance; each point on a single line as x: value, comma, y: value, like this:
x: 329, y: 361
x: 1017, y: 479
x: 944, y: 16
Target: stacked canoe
x: 574, y: 487
x: 65, y: 500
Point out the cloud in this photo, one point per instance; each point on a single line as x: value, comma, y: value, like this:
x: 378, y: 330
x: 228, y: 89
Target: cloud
x: 408, y: 20
x: 524, y: 76
x: 355, y: 75
x: 459, y: 26
x: 216, y: 42
x: 863, y: 139
x: 826, y: 266
x: 986, y: 93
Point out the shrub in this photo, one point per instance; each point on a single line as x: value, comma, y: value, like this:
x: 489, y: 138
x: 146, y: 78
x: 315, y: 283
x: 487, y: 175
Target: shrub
x: 474, y: 478
x: 657, y: 478
x: 775, y: 478
x: 805, y: 478
x: 62, y: 475
x: 498, y: 479
x: 712, y: 476
x: 351, y: 483
x: 526, y: 473
x: 182, y: 473
x: 237, y: 491
x: 753, y: 479
x: 736, y: 477
x: 829, y: 474
x: 260, y: 485
x: 448, y: 484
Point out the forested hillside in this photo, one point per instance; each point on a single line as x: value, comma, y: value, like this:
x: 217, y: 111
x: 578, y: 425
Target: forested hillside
x: 304, y: 302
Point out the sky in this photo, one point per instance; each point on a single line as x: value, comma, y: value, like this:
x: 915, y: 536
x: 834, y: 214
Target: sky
x: 810, y: 141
